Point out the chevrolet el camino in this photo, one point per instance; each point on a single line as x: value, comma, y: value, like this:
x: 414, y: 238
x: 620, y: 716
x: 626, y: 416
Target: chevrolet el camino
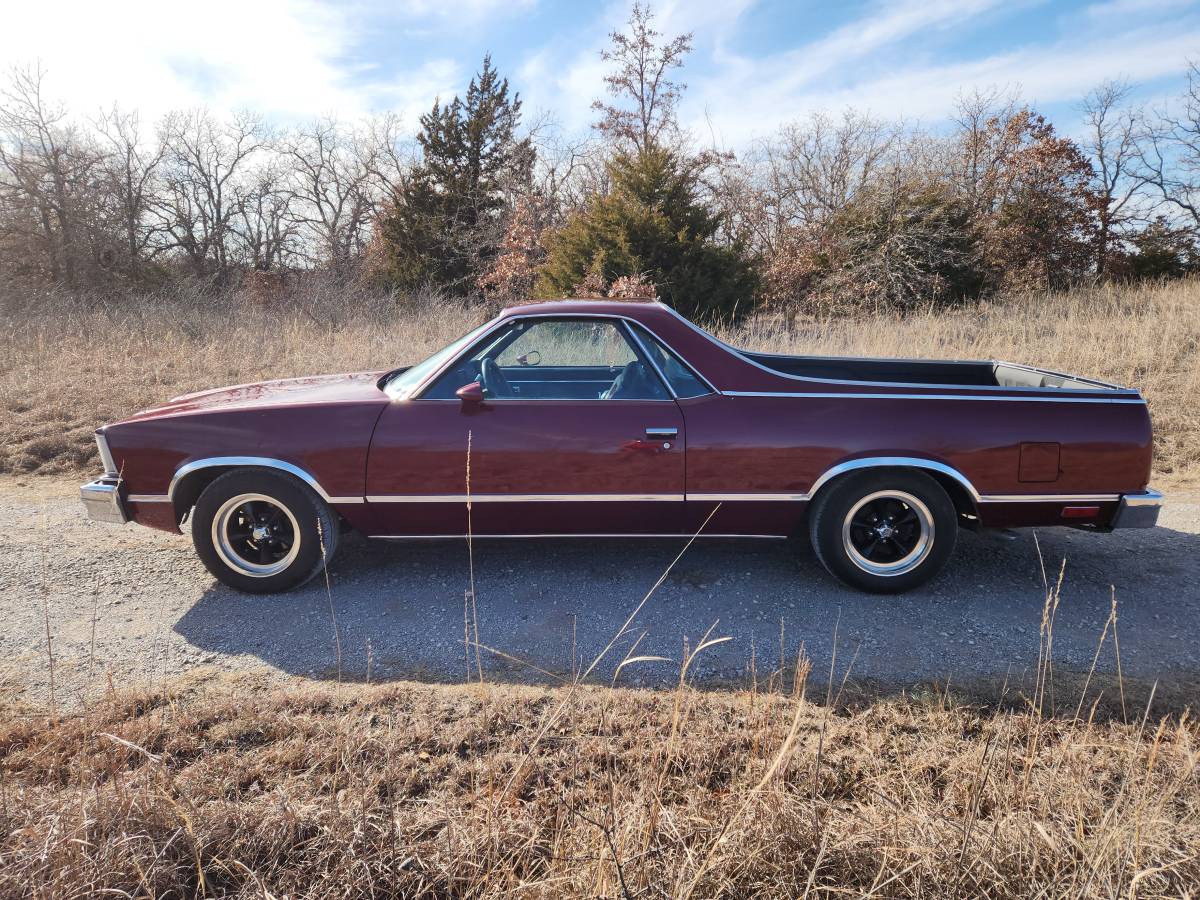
x: 605, y: 419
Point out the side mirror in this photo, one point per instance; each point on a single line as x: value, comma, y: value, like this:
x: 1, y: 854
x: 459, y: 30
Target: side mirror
x: 470, y: 393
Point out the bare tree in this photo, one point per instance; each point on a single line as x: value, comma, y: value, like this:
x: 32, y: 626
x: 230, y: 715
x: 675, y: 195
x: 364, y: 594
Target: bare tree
x: 800, y: 179
x: 264, y: 228
x: 985, y: 142
x: 392, y: 155
x: 48, y: 192
x: 130, y: 173
x: 641, y: 78
x: 329, y: 187
x: 1170, y: 153
x: 1113, y: 138
x: 201, y: 203
x: 819, y: 165
x: 567, y: 170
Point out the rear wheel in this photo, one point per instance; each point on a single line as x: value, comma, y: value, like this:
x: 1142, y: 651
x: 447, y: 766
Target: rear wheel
x: 885, y: 531
x: 262, y: 532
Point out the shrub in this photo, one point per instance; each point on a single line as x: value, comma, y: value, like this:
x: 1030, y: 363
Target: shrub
x: 652, y: 223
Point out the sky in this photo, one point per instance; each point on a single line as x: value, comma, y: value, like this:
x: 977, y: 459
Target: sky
x: 756, y: 63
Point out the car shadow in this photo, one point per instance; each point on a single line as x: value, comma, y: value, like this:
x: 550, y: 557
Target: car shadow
x: 547, y: 608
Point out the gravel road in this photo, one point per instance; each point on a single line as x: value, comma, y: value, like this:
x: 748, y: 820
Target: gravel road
x: 135, y: 604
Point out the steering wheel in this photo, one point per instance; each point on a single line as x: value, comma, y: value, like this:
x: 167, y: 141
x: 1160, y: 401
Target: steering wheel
x: 494, y: 382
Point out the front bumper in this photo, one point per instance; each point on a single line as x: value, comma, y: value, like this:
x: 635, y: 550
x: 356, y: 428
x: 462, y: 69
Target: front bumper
x: 1138, y: 510
x: 102, y: 500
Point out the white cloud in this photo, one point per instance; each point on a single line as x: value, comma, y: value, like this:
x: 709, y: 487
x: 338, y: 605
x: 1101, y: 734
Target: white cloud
x: 884, y: 27
x: 1113, y: 9
x: 744, y: 98
x: 877, y: 64
x: 287, y: 58
x: 461, y: 11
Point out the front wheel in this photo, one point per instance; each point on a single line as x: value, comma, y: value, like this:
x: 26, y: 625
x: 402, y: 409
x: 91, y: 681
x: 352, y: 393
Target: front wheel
x: 262, y: 532
x: 884, y: 532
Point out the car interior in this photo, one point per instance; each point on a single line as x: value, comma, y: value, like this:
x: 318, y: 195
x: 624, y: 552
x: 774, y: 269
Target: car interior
x: 556, y: 359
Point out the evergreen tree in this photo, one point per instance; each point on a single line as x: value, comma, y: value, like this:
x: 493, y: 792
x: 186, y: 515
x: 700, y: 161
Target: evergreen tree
x: 445, y: 226
x: 652, y: 223
x: 1163, y: 250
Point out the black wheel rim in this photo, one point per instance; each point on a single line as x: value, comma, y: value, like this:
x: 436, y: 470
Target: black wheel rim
x: 255, y: 535
x: 888, y: 532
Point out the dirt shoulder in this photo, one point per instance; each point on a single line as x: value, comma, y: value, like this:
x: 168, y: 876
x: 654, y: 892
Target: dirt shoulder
x: 133, y: 605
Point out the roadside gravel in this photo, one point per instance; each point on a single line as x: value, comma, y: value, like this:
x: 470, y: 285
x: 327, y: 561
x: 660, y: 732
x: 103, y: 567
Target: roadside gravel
x: 129, y: 605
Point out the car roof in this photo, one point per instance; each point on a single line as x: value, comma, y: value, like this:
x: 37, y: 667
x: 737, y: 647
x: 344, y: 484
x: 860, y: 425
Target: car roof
x: 576, y: 306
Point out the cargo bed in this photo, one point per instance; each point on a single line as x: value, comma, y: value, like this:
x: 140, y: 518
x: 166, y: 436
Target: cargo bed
x: 965, y: 373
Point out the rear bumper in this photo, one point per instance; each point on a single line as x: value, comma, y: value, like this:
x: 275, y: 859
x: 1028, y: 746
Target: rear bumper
x: 1138, y: 510
x: 102, y: 500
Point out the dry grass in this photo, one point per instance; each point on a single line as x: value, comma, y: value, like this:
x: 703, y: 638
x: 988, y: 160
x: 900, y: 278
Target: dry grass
x: 67, y: 365
x: 582, y: 790
x: 488, y: 791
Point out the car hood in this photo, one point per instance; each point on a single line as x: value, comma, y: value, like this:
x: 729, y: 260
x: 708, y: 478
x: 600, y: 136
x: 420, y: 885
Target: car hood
x: 354, y: 387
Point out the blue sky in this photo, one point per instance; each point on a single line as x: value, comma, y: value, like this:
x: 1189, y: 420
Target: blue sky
x: 756, y: 63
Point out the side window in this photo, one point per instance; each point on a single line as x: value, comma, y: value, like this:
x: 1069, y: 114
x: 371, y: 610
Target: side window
x: 555, y: 359
x: 569, y: 342
x: 683, y: 381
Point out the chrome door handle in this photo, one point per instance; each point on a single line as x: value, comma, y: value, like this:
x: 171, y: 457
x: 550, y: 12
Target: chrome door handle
x: 661, y: 434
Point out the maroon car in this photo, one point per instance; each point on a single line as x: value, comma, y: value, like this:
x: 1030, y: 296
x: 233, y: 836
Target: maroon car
x: 600, y: 418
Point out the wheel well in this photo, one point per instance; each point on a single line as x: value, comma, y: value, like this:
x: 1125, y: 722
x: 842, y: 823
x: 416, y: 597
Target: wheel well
x: 964, y: 504
x: 192, y: 485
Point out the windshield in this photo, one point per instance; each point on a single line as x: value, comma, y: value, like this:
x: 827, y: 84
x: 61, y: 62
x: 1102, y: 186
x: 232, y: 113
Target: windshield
x: 401, y: 386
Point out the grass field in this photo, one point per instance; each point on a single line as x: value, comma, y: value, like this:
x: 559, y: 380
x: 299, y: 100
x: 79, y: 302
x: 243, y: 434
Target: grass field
x: 490, y: 791
x: 68, y: 365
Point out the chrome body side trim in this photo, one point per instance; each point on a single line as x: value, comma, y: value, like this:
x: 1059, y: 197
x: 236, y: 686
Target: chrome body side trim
x: 262, y: 462
x: 1049, y: 498
x: 749, y: 497
x: 743, y: 497
x: 148, y: 498
x: 102, y: 500
x: 476, y: 537
x: 875, y: 462
x: 524, y: 498
x: 547, y: 400
x: 829, y: 395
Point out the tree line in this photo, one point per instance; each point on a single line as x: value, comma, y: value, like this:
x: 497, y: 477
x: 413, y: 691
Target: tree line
x: 828, y: 214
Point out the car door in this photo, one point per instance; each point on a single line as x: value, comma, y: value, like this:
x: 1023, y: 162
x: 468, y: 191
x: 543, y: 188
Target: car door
x: 576, y: 434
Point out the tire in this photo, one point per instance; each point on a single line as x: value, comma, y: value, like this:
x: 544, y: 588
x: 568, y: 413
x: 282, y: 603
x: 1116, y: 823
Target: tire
x: 884, y: 532
x: 262, y: 532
